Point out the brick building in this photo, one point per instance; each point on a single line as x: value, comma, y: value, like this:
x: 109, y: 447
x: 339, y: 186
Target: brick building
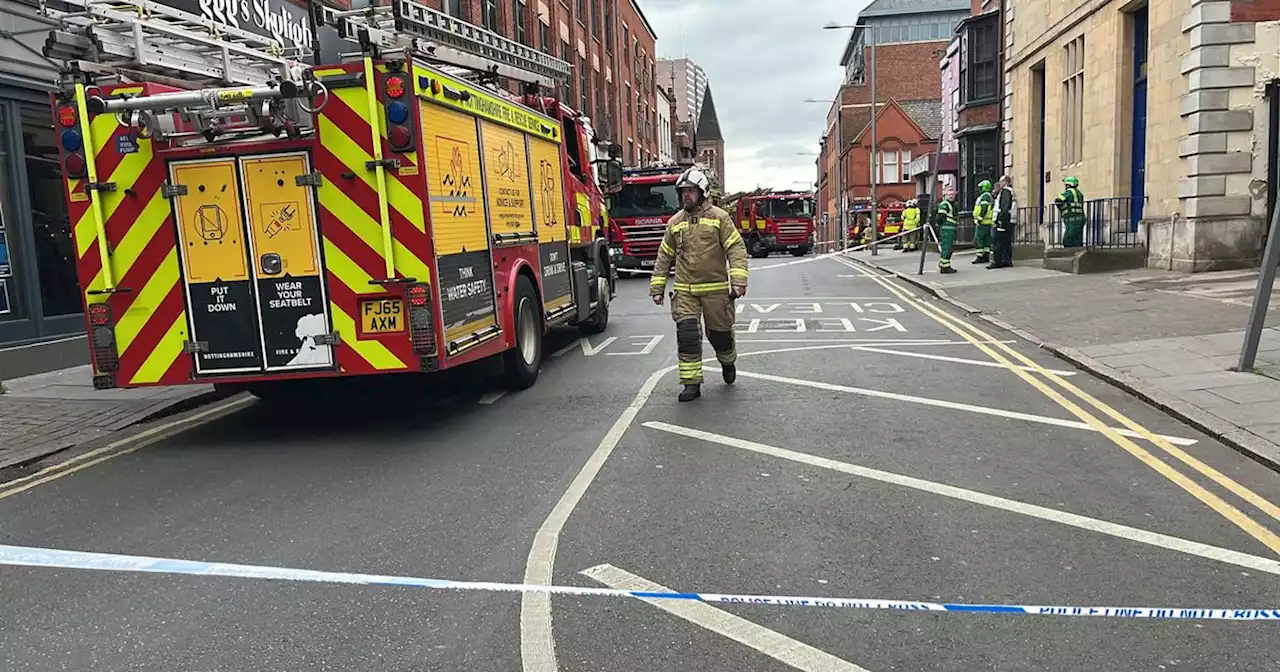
x: 909, y: 38
x: 610, y: 45
x: 905, y: 131
x: 1170, y: 107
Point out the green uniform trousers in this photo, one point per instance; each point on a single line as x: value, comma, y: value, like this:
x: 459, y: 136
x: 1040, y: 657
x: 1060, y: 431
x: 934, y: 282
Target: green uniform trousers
x: 719, y: 312
x: 946, y: 244
x: 1073, y: 231
x: 982, y: 238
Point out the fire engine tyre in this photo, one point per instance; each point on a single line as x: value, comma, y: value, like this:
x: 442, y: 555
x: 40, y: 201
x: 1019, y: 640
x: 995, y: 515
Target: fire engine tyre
x: 800, y: 252
x: 600, y: 316
x: 757, y: 248
x: 521, y: 363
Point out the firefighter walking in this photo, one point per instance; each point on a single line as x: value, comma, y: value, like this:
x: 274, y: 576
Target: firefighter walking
x: 983, y: 222
x: 946, y: 222
x: 910, y: 224
x: 711, y: 271
x: 1071, y: 206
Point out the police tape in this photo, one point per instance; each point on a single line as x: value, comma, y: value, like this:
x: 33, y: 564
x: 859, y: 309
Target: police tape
x: 806, y: 260
x: 26, y: 556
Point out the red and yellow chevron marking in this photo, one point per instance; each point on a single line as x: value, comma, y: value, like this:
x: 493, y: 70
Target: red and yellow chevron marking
x: 150, y: 318
x: 353, y: 242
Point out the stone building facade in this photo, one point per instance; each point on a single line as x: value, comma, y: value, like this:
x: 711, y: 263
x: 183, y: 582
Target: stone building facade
x: 1164, y: 104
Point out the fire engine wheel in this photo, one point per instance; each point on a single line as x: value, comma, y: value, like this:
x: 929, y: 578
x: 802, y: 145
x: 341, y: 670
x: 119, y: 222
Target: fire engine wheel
x: 800, y: 252
x: 600, y: 316
x: 757, y: 249
x: 521, y: 362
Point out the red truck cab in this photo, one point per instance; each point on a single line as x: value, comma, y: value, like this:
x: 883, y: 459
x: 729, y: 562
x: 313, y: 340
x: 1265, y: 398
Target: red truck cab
x: 638, y: 215
x: 776, y: 222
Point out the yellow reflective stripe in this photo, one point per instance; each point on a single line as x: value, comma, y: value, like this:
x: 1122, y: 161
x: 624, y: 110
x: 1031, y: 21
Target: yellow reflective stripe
x: 658, y: 282
x: 667, y: 249
x: 737, y: 272
x: 709, y: 222
x: 163, y: 355
x: 709, y: 287
x: 680, y: 227
x: 681, y: 286
x: 735, y: 238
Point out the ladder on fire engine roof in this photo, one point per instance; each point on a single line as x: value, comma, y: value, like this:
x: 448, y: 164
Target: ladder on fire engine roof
x: 143, y: 39
x: 412, y: 26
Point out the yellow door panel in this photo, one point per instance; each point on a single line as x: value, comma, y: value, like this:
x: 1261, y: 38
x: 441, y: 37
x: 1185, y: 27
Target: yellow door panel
x: 280, y: 215
x: 453, y: 179
x: 209, y: 221
x: 506, y: 174
x: 548, y: 191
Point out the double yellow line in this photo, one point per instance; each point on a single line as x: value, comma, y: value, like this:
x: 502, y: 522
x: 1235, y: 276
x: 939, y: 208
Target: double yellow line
x: 980, y: 340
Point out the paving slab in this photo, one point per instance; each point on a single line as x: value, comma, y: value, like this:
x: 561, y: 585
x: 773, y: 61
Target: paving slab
x: 45, y: 413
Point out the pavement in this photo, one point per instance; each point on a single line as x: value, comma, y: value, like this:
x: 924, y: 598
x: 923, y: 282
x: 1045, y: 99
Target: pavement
x: 1169, y: 338
x: 46, y: 413
x: 874, y: 446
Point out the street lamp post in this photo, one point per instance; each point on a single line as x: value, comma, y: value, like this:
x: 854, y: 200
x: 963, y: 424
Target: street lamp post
x: 875, y: 145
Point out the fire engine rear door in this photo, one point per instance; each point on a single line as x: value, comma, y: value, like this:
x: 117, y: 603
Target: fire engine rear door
x: 223, y: 320
x: 285, y: 250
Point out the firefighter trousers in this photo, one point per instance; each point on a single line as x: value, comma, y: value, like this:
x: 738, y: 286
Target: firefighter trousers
x: 689, y: 311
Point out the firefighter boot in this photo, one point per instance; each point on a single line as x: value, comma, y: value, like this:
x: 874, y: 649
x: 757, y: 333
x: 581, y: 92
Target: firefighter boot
x: 982, y: 258
x: 690, y: 392
x: 730, y: 373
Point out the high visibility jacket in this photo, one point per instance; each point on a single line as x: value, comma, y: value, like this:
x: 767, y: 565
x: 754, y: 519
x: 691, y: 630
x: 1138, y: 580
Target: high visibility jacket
x: 707, y: 251
x: 946, y: 214
x: 1006, y: 208
x: 1071, y: 203
x: 982, y: 214
x: 910, y: 218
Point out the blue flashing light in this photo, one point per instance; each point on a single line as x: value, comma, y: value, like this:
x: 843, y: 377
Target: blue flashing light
x: 397, y: 113
x: 71, y: 141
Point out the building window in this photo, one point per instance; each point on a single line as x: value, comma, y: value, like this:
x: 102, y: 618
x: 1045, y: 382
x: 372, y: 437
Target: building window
x: 490, y: 15
x: 544, y: 31
x: 906, y: 165
x: 889, y: 167
x: 982, y: 61
x: 1073, y: 102
x: 564, y: 56
x: 582, y: 12
x: 608, y: 26
x: 517, y: 15
x: 980, y: 159
x: 453, y: 8
x: 626, y: 41
x: 595, y: 18
x: 630, y: 113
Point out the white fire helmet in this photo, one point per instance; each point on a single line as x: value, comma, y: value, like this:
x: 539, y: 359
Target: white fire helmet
x: 694, y: 177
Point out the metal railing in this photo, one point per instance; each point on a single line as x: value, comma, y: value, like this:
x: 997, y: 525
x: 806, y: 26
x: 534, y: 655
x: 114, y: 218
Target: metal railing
x: 1029, y: 228
x: 1108, y: 223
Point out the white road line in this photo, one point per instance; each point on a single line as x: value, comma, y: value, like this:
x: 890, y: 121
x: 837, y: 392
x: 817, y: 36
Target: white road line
x: 852, y: 341
x: 1011, y: 505
x: 537, y: 644
x: 1000, y: 413
x: 490, y: 397
x: 958, y: 360
x: 776, y: 645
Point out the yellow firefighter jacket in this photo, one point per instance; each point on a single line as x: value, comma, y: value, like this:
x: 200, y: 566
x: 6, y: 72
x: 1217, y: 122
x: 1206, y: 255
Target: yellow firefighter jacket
x: 707, y: 250
x: 910, y: 218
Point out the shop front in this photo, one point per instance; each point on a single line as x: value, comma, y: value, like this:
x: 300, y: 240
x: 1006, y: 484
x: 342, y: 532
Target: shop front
x: 39, y: 294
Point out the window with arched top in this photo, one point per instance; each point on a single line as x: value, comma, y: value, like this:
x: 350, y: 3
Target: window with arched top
x: 895, y: 164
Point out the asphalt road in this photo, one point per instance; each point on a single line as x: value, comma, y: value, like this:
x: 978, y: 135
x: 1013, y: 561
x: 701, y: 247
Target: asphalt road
x: 791, y: 482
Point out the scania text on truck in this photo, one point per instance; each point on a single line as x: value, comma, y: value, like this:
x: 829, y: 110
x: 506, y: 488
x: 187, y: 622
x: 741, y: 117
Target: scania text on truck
x: 244, y: 220
x: 638, y: 215
x: 776, y: 222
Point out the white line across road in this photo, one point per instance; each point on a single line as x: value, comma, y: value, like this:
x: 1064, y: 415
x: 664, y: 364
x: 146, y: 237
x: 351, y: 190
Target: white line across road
x: 1011, y: 505
x: 955, y: 405
x: 537, y: 645
x: 957, y: 360
x: 773, y: 644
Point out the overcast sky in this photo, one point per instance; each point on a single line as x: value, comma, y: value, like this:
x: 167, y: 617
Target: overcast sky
x: 764, y: 58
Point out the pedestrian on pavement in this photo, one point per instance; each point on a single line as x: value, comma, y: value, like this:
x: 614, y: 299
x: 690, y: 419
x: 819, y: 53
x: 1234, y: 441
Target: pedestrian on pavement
x: 1006, y: 218
x: 711, y: 272
x: 982, y: 222
x: 910, y: 223
x: 945, y: 220
x: 1071, y: 207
